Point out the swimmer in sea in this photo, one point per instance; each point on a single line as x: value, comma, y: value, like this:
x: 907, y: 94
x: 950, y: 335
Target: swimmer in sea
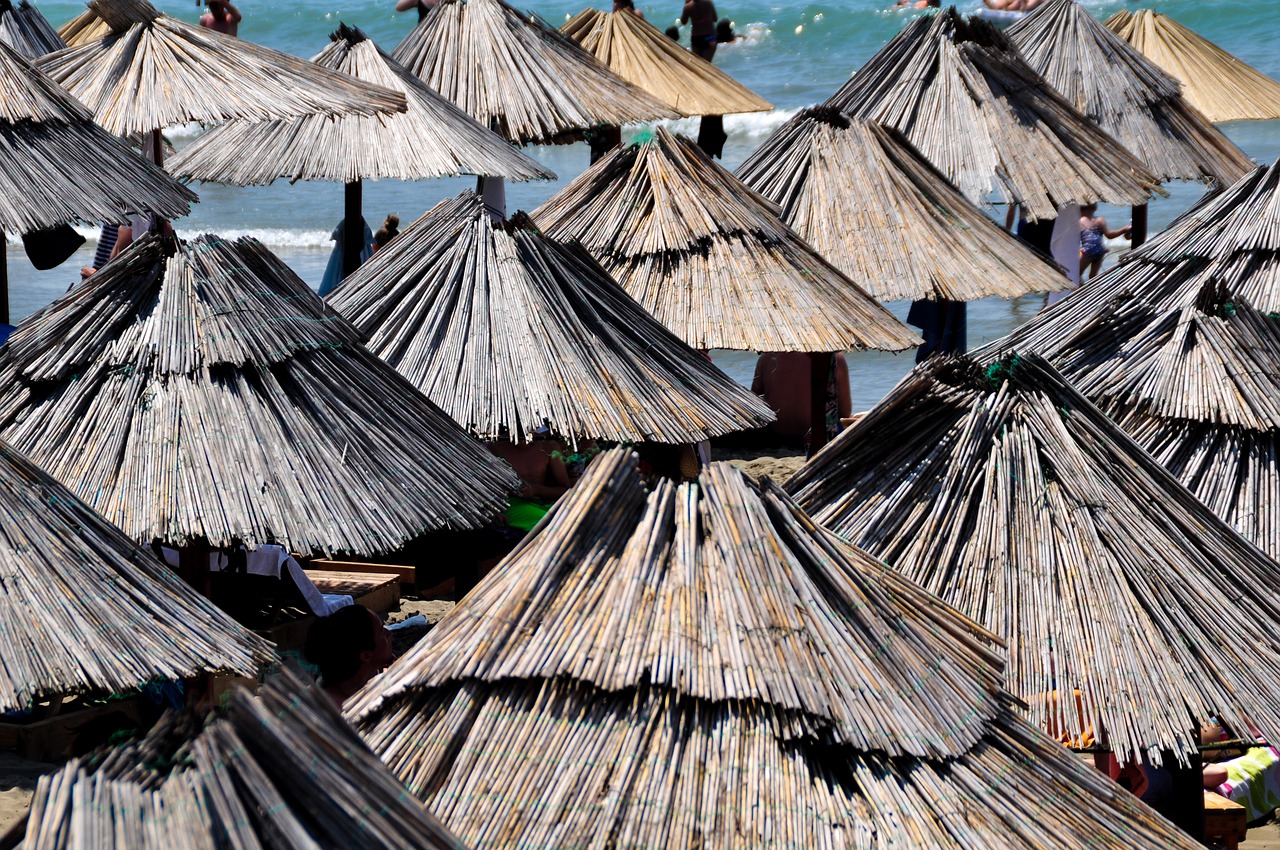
x: 702, y: 14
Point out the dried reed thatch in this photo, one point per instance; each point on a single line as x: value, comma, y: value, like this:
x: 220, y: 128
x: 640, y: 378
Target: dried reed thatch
x: 278, y: 770
x: 154, y: 71
x: 636, y: 51
x: 508, y: 331
x: 211, y: 394
x: 701, y: 665
x: 709, y: 258
x: 1017, y: 501
x: 1132, y: 99
x: 432, y: 139
x: 1213, y: 81
x: 920, y: 238
x: 1170, y: 346
x: 84, y: 28
x: 959, y: 92
x: 517, y: 74
x: 56, y: 165
x: 84, y: 610
x: 23, y: 28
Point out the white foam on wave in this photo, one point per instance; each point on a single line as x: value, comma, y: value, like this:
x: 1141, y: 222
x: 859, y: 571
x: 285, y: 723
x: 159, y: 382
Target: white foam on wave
x: 753, y: 126
x: 272, y: 237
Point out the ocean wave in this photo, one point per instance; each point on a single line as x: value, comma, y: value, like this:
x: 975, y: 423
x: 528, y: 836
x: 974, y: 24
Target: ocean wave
x: 272, y: 237
x: 753, y: 126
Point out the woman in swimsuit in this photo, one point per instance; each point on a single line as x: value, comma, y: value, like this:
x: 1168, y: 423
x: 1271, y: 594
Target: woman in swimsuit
x: 1093, y: 236
x: 702, y: 14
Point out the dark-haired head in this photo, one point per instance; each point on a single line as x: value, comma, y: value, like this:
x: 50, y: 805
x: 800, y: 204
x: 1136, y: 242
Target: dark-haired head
x: 390, y: 230
x: 341, y: 643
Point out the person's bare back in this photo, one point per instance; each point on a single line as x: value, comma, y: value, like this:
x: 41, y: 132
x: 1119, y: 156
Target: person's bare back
x: 222, y: 17
x: 543, y: 473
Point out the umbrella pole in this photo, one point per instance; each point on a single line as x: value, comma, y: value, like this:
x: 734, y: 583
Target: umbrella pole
x: 1139, y: 233
x: 4, y: 280
x: 819, y: 371
x: 353, y: 227
x: 493, y: 192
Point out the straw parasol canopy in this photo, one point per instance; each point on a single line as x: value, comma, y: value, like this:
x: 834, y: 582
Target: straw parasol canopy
x: 509, y: 331
x: 1170, y: 345
x: 433, y: 138
x: 637, y: 52
x: 701, y: 665
x: 84, y: 28
x: 963, y: 96
x: 56, y: 165
x: 154, y: 71
x: 920, y: 239
x: 277, y: 770
x: 1008, y: 494
x: 1129, y: 97
x: 210, y: 395
x: 84, y: 610
x: 1213, y: 81
x: 23, y: 28
x: 517, y: 74
x: 709, y: 257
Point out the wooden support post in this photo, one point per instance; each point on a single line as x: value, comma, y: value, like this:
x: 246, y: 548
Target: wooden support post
x: 352, y: 227
x: 819, y: 372
x: 1139, y: 233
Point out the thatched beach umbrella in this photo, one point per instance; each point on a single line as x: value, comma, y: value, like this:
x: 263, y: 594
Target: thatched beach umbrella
x: 701, y: 665
x: 84, y: 610
x: 57, y: 166
x: 433, y: 138
x: 1004, y: 491
x: 636, y: 51
x: 154, y: 71
x: 639, y: 53
x: 1213, y: 81
x: 277, y: 770
x: 84, y: 28
x: 920, y: 238
x: 1128, y: 96
x: 508, y: 331
x: 211, y: 397
x: 710, y: 259
x: 23, y: 28
x: 518, y: 75
x: 963, y: 96
x: 1170, y: 345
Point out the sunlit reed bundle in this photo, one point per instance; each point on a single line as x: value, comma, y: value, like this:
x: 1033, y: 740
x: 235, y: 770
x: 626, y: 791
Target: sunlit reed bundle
x: 1213, y: 81
x: 515, y: 73
x: 23, y: 28
x: 1128, y: 96
x: 84, y: 610
x: 701, y: 665
x: 56, y: 165
x: 278, y: 770
x: 637, y: 52
x: 84, y: 28
x: 710, y: 258
x: 509, y: 331
x: 1014, y: 499
x: 919, y: 239
x: 212, y: 394
x: 154, y: 70
x: 433, y: 138
x: 961, y: 94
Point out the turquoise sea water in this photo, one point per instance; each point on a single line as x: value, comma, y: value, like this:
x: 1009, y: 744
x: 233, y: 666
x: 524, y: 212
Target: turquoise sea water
x: 794, y: 54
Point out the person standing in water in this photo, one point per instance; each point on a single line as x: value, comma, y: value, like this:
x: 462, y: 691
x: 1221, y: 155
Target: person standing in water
x: 702, y: 14
x: 1093, y: 235
x: 222, y: 17
x: 424, y: 7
